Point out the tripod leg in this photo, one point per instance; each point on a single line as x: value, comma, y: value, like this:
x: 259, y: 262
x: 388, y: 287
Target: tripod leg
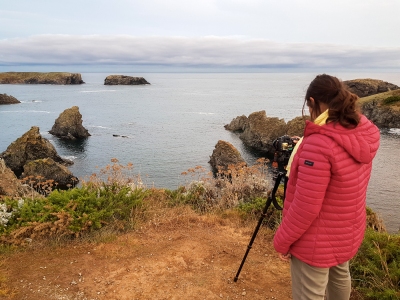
x: 254, y: 236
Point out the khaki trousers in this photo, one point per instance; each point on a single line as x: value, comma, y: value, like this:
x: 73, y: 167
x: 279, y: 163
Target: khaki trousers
x: 313, y: 283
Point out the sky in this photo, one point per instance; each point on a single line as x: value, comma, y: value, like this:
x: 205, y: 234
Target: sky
x: 199, y: 35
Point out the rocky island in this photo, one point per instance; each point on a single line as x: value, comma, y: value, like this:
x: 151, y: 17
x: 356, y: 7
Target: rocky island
x: 124, y: 80
x: 62, y: 78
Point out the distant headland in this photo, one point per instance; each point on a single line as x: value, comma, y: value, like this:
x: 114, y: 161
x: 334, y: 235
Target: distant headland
x: 63, y: 78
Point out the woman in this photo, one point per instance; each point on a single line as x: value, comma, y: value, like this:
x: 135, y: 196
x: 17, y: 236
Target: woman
x: 324, y: 215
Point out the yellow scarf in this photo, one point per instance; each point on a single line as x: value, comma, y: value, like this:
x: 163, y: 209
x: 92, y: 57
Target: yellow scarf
x: 320, y: 120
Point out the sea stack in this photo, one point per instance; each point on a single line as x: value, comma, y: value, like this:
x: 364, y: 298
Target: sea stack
x: 68, y: 125
x: 225, y: 154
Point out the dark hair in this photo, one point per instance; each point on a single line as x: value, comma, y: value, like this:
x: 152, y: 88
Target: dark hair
x: 341, y: 102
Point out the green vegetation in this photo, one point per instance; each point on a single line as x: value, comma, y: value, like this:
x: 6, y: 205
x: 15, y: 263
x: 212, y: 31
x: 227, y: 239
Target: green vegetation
x: 375, y: 269
x: 116, y: 200
x: 38, y: 77
x: 391, y: 100
x: 381, y: 98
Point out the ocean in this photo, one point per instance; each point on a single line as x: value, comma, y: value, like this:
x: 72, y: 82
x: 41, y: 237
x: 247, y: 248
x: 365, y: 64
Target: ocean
x: 172, y: 125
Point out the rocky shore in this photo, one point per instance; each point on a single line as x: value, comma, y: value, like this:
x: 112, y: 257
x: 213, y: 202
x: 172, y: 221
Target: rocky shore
x: 61, y: 78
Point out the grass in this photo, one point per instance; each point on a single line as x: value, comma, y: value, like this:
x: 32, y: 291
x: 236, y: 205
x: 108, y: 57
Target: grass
x: 376, y: 267
x: 34, y: 77
x: 115, y: 200
x: 390, y: 98
x: 24, y: 75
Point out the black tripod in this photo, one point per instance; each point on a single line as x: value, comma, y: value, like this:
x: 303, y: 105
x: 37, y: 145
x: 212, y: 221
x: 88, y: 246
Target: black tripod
x: 271, y: 199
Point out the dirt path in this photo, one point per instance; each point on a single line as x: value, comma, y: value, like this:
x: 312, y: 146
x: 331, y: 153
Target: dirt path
x: 185, y: 258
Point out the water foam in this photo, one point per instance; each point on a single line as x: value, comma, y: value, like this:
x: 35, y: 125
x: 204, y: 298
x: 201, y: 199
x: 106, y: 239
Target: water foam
x: 394, y: 131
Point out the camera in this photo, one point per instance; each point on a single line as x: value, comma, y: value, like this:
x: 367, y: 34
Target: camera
x: 285, y: 143
x: 284, y: 146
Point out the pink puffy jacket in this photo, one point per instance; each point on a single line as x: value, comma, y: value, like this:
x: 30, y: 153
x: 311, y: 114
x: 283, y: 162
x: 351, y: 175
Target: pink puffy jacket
x: 324, y: 215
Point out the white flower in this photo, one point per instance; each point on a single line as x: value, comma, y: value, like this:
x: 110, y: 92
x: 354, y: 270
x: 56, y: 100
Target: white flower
x: 4, y: 215
x: 21, y: 202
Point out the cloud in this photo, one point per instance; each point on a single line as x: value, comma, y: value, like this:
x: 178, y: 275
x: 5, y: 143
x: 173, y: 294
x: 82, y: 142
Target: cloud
x: 210, y: 51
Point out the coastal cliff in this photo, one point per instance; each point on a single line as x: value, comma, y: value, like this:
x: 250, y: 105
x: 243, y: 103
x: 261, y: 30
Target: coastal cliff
x: 61, y: 78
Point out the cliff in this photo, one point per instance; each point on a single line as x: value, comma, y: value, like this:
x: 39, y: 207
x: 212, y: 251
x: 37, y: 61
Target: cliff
x: 40, y: 78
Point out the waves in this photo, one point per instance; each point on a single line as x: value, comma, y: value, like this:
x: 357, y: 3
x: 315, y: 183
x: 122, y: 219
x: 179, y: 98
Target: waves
x: 394, y: 131
x: 69, y: 157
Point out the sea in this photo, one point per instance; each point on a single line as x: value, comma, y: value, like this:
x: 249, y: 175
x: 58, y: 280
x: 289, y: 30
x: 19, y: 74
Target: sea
x: 174, y: 123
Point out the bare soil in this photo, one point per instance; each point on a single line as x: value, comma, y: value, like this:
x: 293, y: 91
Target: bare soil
x: 183, y: 257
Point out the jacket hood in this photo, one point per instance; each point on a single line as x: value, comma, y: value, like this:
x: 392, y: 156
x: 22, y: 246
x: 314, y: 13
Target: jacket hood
x: 361, y: 143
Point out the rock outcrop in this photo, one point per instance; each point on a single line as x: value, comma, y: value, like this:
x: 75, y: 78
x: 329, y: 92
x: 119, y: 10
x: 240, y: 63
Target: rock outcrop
x: 224, y: 154
x: 68, y: 125
x: 10, y: 186
x: 383, y: 114
x: 47, y: 169
x: 7, y: 99
x: 238, y: 124
x: 40, y: 78
x: 295, y: 127
x: 124, y: 80
x: 259, y: 131
x: 367, y: 87
x: 30, y: 146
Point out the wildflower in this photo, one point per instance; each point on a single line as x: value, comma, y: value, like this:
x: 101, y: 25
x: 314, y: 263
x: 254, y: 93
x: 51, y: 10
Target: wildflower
x: 4, y: 215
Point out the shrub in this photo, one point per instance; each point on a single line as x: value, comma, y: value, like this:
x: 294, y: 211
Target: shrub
x: 390, y: 100
x: 227, y: 188
x: 72, y: 212
x: 255, y: 207
x: 376, y: 267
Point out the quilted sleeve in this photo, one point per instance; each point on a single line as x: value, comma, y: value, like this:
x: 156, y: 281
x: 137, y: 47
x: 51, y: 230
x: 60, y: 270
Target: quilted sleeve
x: 313, y: 175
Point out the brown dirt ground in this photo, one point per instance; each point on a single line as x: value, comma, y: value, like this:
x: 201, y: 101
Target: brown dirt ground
x: 182, y: 257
